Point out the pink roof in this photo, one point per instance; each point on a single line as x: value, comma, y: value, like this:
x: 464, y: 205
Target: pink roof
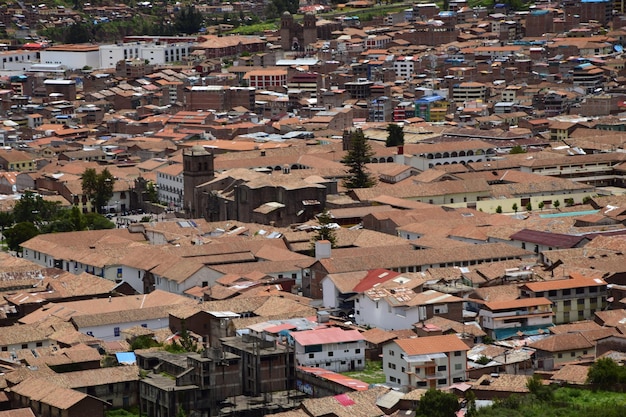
x: 346, y: 381
x: 374, y: 277
x: 326, y: 336
x: 344, y: 400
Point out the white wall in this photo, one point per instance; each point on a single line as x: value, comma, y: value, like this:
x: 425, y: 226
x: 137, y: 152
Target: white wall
x: 73, y: 60
x: 352, y: 353
x: 15, y: 60
x: 447, y: 368
x: 329, y: 292
x: 110, y: 55
x: 107, y: 332
x: 368, y: 312
x: 170, y: 189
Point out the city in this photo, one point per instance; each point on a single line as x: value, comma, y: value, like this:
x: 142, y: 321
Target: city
x: 312, y: 209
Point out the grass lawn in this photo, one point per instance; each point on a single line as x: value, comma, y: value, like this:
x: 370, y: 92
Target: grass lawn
x: 372, y: 374
x: 590, y: 398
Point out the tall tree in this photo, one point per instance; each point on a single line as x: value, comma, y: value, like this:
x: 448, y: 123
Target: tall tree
x: 358, y: 156
x: 188, y: 20
x: 325, y: 231
x: 98, y: 187
x: 395, y: 135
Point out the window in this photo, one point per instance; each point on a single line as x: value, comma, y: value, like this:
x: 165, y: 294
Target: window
x: 572, y: 354
x: 457, y: 353
x: 357, y: 350
x: 580, y: 290
x: 5, y: 348
x: 116, y: 331
x: 442, y: 381
x: 359, y: 362
x: 552, y: 293
x: 560, y: 355
x: 580, y: 301
x: 25, y: 346
x: 458, y: 366
x: 39, y: 344
x: 403, y: 369
x: 440, y: 309
x: 441, y: 368
x: 392, y: 353
x: 391, y: 365
x: 392, y: 379
x: 567, y: 303
x: 567, y: 292
x: 331, y: 353
x: 311, y: 355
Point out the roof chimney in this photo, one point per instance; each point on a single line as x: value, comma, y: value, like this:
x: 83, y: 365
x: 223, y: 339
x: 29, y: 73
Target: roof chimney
x: 322, y: 249
x: 401, y: 150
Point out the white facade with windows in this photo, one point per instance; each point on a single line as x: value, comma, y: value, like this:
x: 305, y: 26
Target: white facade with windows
x: 154, y: 53
x: 404, y: 66
x: 425, y: 362
x: 171, y: 186
x: 333, y: 349
x: 14, y: 60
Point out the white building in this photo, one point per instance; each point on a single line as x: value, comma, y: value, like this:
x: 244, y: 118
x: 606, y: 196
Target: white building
x: 401, y: 308
x: 17, y: 60
x: 404, y: 66
x: 425, y: 362
x: 333, y: 349
x: 72, y: 56
x: 503, y: 319
x: 154, y: 53
x: 170, y: 185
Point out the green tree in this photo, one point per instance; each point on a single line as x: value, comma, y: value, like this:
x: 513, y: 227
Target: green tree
x: 19, y: 234
x: 6, y: 220
x: 605, y: 372
x: 79, y: 33
x: 33, y: 208
x: 529, y: 206
x: 151, y: 192
x: 470, y: 397
x: 435, y: 403
x: 541, y: 391
x: 556, y: 204
x: 95, y: 221
x: 516, y: 150
x: 188, y: 20
x: 514, y: 207
x: 395, y: 135
x: 541, y: 205
x: 325, y: 232
x: 586, y: 199
x: 98, y: 187
x: 499, y: 209
x: 356, y: 159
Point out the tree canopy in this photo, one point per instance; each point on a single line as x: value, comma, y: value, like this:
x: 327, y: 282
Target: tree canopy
x: 605, y: 372
x: 435, y: 403
x: 19, y: 234
x: 98, y: 187
x: 360, y: 153
x: 188, y: 20
x: 395, y: 135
